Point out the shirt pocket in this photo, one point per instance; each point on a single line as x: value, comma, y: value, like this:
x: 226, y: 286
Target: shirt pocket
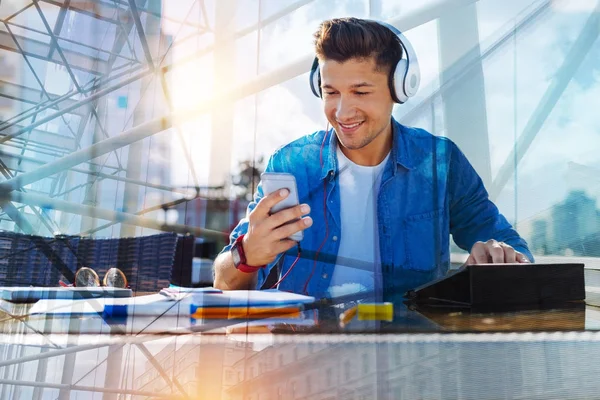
x: 422, y: 235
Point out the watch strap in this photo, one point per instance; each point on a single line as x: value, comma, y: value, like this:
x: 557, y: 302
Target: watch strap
x: 242, y: 265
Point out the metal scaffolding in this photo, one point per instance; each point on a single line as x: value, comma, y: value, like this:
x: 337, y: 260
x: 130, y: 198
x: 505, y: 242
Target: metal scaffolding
x: 94, y: 78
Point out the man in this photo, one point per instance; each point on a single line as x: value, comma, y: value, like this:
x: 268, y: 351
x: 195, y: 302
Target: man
x: 380, y: 199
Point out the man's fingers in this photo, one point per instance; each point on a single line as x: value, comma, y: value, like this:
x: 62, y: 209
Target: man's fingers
x: 495, y: 251
x: 263, y: 208
x: 521, y: 258
x: 284, y: 245
x: 470, y: 260
x: 289, y: 229
x: 290, y: 214
x: 510, y: 255
x: 479, y: 254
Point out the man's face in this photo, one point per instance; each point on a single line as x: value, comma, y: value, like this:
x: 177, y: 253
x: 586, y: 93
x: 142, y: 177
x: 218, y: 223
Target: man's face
x: 357, y: 101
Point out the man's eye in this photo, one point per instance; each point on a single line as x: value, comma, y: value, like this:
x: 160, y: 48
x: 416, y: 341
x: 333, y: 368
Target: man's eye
x: 330, y: 93
x: 361, y: 93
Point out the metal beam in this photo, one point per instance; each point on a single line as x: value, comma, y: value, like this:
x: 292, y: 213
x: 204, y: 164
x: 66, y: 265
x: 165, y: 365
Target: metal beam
x: 54, y: 353
x: 42, y: 137
x: 32, y: 199
x: 141, y: 34
x: 19, y: 218
x: 100, y: 148
x: 41, y: 50
x: 54, y: 45
x: 113, y: 372
x: 210, y: 48
x: 108, y: 12
x: 409, y: 20
x: 158, y: 14
x: 78, y: 388
x: 160, y: 370
x: 60, y: 20
x: 572, y: 61
x: 94, y: 85
x: 42, y: 217
x: 222, y: 117
x: 33, y: 71
x: 188, y: 156
x: 72, y: 107
x: 78, y: 43
x: 458, y: 37
x: 26, y: 163
x: 37, y: 163
x: 122, y: 37
x: 134, y: 161
x: 29, y: 95
x: 28, y: 145
x: 61, y: 53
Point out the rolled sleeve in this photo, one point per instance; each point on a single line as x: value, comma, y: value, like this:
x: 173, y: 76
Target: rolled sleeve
x: 473, y: 216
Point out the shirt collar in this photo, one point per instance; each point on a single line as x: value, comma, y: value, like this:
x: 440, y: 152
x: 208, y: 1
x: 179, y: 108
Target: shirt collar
x: 329, y: 160
x: 404, y: 150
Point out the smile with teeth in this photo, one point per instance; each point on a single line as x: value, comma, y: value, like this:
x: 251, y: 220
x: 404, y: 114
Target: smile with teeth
x: 350, y: 126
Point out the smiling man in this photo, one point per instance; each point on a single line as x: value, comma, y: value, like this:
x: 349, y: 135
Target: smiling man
x: 380, y: 200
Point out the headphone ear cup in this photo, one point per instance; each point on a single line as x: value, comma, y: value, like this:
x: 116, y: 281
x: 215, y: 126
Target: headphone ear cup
x: 399, y: 81
x: 315, y: 78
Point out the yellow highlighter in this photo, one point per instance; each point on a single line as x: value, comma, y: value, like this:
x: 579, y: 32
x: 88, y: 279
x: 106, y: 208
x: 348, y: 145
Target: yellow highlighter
x: 368, y: 312
x: 376, y: 311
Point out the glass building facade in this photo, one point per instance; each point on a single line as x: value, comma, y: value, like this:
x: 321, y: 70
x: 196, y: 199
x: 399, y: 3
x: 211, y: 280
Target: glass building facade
x: 112, y: 110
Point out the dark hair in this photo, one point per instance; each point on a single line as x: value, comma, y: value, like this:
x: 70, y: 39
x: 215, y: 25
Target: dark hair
x: 342, y: 39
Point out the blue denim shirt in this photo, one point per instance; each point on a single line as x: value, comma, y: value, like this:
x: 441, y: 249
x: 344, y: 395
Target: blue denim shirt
x: 428, y: 191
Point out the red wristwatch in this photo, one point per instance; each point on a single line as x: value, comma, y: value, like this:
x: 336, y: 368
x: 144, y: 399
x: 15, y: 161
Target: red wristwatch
x: 239, y: 257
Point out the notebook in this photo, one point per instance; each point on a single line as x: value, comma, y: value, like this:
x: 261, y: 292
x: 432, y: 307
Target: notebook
x: 213, y: 303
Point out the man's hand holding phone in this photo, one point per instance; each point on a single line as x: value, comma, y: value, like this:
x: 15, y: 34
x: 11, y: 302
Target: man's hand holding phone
x: 268, y: 233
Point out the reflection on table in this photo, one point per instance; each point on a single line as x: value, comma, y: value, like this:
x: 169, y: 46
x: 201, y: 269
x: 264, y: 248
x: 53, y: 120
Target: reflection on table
x: 424, y: 352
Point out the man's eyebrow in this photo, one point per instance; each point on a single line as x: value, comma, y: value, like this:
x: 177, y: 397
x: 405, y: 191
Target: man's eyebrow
x: 361, y: 84
x: 355, y: 86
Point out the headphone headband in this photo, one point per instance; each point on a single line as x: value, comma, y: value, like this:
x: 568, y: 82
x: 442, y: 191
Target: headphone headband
x: 404, y: 78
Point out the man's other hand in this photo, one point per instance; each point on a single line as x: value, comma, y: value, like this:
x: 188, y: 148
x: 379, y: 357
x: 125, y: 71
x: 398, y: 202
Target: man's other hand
x: 494, y: 252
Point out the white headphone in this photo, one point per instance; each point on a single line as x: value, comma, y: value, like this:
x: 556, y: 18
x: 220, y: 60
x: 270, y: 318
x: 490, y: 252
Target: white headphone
x: 405, y: 78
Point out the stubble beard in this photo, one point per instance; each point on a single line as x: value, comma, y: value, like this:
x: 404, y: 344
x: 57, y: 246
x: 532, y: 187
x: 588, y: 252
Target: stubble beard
x: 365, y: 141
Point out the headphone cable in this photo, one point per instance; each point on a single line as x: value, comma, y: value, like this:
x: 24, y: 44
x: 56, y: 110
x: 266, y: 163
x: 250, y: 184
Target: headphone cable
x: 304, y: 290
x: 312, y: 272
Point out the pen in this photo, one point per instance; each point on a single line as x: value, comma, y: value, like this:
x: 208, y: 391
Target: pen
x: 347, y: 316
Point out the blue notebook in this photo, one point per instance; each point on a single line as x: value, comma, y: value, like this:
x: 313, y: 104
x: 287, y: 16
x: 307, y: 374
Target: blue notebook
x: 250, y: 298
x: 188, y: 301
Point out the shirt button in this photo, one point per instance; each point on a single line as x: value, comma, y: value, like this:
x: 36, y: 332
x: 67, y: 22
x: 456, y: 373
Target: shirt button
x: 334, y: 238
x: 324, y: 275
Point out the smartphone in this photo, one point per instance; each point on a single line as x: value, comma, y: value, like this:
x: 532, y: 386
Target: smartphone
x: 274, y: 181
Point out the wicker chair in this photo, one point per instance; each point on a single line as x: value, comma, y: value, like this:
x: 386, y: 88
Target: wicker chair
x: 147, y: 261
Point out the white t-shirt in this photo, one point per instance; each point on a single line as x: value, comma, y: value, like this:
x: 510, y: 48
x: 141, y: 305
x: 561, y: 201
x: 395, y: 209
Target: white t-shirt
x: 358, y: 265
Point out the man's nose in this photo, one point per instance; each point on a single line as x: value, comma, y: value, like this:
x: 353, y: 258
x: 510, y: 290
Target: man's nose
x: 345, y: 109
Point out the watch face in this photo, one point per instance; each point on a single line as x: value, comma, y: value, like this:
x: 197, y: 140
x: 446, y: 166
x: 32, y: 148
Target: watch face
x: 235, y: 255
